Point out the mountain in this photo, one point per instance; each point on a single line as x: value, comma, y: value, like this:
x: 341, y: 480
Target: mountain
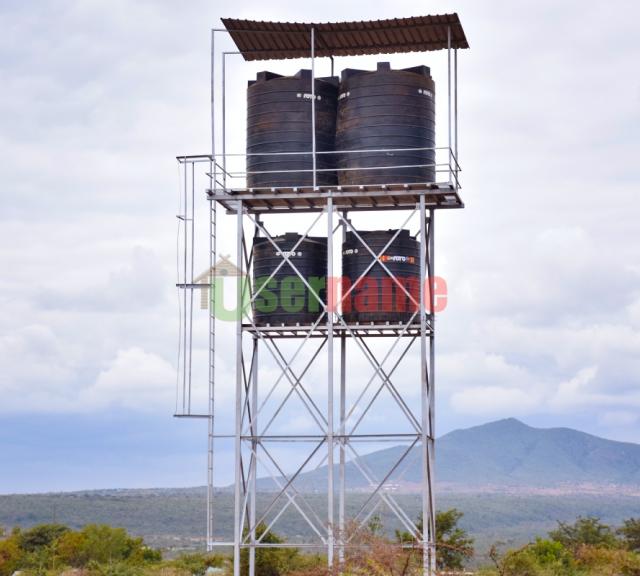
x: 499, y: 455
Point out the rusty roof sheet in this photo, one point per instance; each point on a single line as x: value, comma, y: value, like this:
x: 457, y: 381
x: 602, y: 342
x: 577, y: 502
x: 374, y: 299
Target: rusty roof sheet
x: 279, y: 40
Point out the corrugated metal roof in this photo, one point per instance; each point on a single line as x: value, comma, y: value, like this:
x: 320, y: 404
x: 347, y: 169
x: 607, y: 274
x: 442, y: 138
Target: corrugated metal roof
x: 279, y: 40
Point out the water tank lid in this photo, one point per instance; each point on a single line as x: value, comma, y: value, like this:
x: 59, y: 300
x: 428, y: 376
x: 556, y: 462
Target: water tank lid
x: 404, y: 233
x: 290, y: 238
x: 303, y: 74
x: 385, y: 67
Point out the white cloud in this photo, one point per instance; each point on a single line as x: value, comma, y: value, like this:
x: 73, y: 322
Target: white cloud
x: 495, y: 401
x: 136, y: 380
x: 574, y: 392
x: 540, y: 265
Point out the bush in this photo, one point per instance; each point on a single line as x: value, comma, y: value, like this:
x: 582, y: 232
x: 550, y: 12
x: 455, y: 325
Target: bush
x: 520, y: 563
x: 587, y: 531
x: 10, y: 556
x: 113, y: 569
x: 607, y: 561
x: 453, y: 544
x: 270, y: 561
x: 196, y: 564
x: 552, y: 556
x: 41, y: 536
x: 630, y: 533
x: 47, y: 548
x: 540, y: 558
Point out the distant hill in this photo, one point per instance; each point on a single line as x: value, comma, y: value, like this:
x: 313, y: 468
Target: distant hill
x: 502, y: 454
x: 512, y: 463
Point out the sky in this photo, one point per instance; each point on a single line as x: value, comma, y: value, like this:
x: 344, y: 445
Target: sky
x: 543, y: 265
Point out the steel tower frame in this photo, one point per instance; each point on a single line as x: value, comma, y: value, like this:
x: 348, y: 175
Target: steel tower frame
x: 252, y: 438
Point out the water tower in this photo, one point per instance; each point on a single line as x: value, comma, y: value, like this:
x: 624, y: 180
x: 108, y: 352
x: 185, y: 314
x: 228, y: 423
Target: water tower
x: 332, y: 150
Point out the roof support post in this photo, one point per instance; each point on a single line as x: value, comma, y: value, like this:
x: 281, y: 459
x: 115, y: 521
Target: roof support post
x: 224, y: 121
x: 449, y: 101
x: 455, y: 110
x: 313, y: 104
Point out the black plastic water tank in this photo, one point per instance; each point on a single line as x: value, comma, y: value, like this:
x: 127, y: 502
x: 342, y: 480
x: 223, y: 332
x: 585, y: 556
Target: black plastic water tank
x: 279, y: 120
x: 382, y: 110
x: 377, y: 298
x: 285, y: 299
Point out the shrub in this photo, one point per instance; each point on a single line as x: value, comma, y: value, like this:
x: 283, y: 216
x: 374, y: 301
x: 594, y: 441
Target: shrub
x: 587, y: 531
x: 630, y: 533
x: 270, y: 561
x: 453, y: 544
x: 196, y: 564
x: 607, y: 561
x: 41, y: 536
x: 10, y: 556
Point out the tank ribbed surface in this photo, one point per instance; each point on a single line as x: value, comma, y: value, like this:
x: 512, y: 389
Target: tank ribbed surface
x: 377, y: 298
x: 381, y: 110
x: 279, y: 120
x: 285, y: 299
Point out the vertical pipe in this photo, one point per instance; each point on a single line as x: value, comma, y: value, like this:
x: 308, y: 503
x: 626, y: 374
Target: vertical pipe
x: 424, y: 397
x: 455, y: 103
x: 449, y: 96
x: 254, y: 453
x: 432, y: 390
x: 237, y: 536
x: 212, y: 321
x: 313, y: 104
x: 330, y: 488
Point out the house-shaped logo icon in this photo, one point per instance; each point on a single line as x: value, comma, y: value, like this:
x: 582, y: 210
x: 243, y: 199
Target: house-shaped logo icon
x: 223, y: 268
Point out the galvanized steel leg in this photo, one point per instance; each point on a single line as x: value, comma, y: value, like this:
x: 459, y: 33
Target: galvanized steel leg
x: 237, y: 538
x: 342, y: 480
x: 330, y: 487
x: 432, y: 396
x: 254, y: 448
x: 343, y: 413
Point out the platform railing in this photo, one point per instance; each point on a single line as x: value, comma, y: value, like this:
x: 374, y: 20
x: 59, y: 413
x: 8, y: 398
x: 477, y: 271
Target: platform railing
x: 446, y: 167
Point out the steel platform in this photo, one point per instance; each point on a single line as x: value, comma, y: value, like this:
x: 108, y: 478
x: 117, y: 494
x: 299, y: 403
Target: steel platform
x: 351, y: 198
x: 350, y: 330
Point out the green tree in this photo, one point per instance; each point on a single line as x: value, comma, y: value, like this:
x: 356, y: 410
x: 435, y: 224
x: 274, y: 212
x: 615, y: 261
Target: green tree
x: 270, y: 561
x: 375, y: 525
x: 70, y: 549
x: 587, y: 531
x: 630, y: 532
x: 10, y: 556
x: 551, y: 555
x: 453, y: 544
x: 542, y: 558
x: 519, y: 563
x: 105, y: 545
x: 41, y: 536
